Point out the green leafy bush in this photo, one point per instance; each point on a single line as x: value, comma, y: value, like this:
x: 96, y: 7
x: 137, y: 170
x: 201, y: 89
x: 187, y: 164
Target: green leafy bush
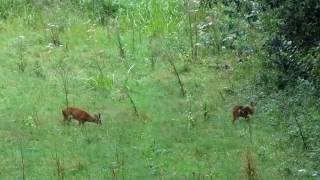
x: 100, y: 10
x: 293, y: 46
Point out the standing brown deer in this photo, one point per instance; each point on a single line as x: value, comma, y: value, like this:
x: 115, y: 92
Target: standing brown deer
x: 80, y: 115
x: 240, y: 111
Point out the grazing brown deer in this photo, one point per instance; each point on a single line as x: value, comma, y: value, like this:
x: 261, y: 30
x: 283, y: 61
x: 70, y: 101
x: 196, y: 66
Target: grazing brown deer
x: 240, y: 111
x: 80, y: 115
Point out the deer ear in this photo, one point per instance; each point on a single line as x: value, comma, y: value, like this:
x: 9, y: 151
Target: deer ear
x: 99, y: 115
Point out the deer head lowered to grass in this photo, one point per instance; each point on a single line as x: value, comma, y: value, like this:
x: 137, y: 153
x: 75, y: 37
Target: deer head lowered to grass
x: 241, y: 111
x: 80, y: 115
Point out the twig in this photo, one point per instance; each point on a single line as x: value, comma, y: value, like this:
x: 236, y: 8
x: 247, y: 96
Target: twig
x: 127, y: 91
x: 59, y: 167
x: 221, y: 95
x: 205, y: 111
x: 183, y: 91
x: 250, y: 131
x: 121, y: 50
x: 301, y: 134
x: 22, y: 160
x: 65, y: 85
x: 132, y: 103
x: 190, y: 30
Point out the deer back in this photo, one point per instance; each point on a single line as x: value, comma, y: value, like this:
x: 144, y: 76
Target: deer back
x: 81, y: 115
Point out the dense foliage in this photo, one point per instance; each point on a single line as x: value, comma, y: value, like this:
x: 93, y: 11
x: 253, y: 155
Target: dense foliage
x: 294, y: 43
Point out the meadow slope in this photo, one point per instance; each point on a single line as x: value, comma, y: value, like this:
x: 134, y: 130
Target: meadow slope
x: 171, y: 137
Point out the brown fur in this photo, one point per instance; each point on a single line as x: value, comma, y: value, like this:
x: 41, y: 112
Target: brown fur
x: 240, y: 111
x: 80, y: 115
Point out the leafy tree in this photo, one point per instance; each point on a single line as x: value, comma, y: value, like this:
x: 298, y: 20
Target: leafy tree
x: 294, y: 44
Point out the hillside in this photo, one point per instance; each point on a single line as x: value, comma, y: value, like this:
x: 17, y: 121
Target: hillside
x: 164, y: 75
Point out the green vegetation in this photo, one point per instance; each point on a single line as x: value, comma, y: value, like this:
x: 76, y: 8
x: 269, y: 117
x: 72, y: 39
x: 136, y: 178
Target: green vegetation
x: 165, y: 76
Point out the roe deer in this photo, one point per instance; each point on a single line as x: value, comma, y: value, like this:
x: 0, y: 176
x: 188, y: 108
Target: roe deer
x: 240, y: 111
x: 80, y: 115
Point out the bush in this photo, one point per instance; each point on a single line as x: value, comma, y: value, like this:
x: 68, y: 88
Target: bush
x: 100, y: 10
x: 293, y: 47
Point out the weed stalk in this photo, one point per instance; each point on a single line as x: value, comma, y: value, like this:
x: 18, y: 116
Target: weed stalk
x: 305, y: 145
x: 126, y: 89
x: 250, y: 167
x: 62, y: 71
x: 22, y: 160
x: 183, y: 91
x: 120, y: 45
x: 205, y: 111
x: 59, y: 166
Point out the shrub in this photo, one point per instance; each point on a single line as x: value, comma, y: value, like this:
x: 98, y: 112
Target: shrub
x: 100, y: 10
x: 293, y: 47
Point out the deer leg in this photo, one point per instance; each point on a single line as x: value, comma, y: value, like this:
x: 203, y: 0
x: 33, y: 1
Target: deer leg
x: 235, y: 117
x: 65, y: 117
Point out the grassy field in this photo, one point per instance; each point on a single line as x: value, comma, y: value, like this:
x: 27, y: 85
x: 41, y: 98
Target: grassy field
x: 171, y: 136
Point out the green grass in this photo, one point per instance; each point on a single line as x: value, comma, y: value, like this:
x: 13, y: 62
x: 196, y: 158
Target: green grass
x: 160, y: 144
